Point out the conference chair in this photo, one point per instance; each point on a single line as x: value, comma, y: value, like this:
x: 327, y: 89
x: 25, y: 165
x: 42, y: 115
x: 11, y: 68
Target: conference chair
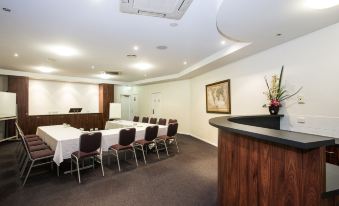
x: 144, y: 120
x: 170, y: 121
x: 150, y: 135
x: 162, y: 121
x: 153, y: 121
x: 171, y: 135
x: 36, y: 158
x: 126, y: 139
x: 89, y: 147
x: 136, y: 119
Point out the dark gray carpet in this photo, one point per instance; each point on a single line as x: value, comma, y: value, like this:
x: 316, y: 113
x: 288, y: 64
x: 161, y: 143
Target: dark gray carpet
x: 185, y: 178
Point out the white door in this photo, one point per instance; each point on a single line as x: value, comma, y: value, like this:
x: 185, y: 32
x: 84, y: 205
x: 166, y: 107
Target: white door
x: 156, y: 105
x: 125, y: 107
x: 134, y: 103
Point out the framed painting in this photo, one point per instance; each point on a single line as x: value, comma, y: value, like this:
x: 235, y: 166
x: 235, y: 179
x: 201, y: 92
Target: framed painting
x: 218, y: 97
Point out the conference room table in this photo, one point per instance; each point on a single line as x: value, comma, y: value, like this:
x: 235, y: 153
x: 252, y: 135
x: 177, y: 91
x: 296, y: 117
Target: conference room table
x: 64, y: 140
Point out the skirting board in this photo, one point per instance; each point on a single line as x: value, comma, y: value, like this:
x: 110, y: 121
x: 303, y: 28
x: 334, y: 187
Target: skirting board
x: 214, y: 144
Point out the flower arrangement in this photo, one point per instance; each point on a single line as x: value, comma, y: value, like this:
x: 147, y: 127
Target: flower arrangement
x: 277, y: 93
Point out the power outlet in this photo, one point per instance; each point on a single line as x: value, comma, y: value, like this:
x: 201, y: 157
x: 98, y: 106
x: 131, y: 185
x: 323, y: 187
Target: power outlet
x: 301, y: 120
x: 300, y: 100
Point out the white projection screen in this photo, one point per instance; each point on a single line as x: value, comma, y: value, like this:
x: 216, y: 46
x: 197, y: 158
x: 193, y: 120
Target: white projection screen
x: 53, y: 97
x: 7, y: 104
x: 114, y: 110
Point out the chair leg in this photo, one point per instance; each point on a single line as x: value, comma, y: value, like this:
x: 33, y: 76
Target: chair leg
x: 135, y: 156
x: 30, y: 168
x: 24, y: 168
x: 176, y: 143
x: 102, y: 166
x: 71, y: 165
x: 165, y: 147
x: 156, y: 149
x: 58, y: 170
x: 143, y: 153
x: 78, y: 170
x: 117, y: 154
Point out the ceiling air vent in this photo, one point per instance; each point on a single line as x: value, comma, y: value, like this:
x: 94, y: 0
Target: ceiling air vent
x: 171, y: 9
x: 115, y: 73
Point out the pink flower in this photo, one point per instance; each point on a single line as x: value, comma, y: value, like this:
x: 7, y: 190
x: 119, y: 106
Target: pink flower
x: 275, y: 103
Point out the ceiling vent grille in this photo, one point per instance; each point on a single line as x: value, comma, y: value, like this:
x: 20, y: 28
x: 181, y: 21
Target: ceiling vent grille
x: 172, y: 9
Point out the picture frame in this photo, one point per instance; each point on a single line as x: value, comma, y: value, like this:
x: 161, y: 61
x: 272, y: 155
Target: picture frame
x: 218, y: 97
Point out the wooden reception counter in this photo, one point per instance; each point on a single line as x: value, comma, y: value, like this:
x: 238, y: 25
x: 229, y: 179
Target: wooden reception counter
x: 259, y: 164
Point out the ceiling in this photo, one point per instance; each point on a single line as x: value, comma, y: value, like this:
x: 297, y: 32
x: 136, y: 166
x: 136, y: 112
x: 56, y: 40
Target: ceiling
x: 103, y: 36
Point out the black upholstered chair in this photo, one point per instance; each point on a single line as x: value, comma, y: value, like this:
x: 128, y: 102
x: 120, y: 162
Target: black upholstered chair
x: 162, y: 121
x: 89, y: 147
x: 153, y: 120
x: 136, y: 119
x: 36, y: 157
x: 145, y: 120
x: 170, y: 121
x: 126, y: 139
x: 171, y: 135
x: 150, y: 134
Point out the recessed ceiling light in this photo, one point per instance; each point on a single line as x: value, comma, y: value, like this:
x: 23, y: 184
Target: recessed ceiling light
x: 62, y: 50
x: 185, y: 62
x: 173, y: 24
x: 16, y: 55
x: 278, y: 34
x: 321, y: 4
x: 142, y: 66
x: 45, y: 69
x: 93, y: 67
x: 136, y: 48
x: 104, y: 75
x: 162, y: 47
x: 223, y: 42
x: 6, y: 9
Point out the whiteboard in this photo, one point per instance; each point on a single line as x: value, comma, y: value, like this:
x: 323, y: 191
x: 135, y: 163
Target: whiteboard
x: 52, y: 97
x: 7, y: 104
x: 114, y: 110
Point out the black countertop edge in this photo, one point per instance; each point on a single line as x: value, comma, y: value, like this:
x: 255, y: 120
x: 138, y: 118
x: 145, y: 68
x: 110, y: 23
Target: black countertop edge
x: 332, y: 181
x: 293, y: 139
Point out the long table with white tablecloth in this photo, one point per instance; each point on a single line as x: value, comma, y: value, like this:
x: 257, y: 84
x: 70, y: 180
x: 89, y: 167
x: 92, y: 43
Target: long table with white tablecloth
x: 65, y: 139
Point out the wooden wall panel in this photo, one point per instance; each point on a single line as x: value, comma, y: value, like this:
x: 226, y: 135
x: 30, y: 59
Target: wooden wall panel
x: 254, y: 172
x: 106, y: 96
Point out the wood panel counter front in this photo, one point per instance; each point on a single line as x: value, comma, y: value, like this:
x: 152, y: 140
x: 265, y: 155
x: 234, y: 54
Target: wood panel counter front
x: 262, y: 166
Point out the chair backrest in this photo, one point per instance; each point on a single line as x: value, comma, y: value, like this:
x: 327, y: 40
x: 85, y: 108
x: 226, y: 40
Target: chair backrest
x: 90, y: 142
x: 23, y: 141
x: 136, y: 119
x: 170, y: 121
x: 162, y: 121
x: 126, y: 136
x: 144, y: 120
x: 172, y: 129
x: 151, y: 133
x: 153, y: 120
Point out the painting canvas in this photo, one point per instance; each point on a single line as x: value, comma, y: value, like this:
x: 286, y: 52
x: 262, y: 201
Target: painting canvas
x: 218, y: 97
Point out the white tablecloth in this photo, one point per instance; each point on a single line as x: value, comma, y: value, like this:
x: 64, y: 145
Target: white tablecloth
x: 65, y: 140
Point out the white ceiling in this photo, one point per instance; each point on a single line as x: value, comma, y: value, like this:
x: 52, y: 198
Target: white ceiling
x: 104, y: 36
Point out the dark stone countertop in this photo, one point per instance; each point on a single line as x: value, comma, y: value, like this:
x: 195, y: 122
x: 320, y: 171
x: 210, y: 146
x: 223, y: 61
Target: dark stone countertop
x: 293, y: 139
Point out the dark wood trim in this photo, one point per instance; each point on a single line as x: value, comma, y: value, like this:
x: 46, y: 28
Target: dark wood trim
x: 106, y: 96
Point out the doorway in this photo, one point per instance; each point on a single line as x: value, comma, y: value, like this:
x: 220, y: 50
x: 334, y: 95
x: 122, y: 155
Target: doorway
x: 156, y: 104
x: 125, y: 101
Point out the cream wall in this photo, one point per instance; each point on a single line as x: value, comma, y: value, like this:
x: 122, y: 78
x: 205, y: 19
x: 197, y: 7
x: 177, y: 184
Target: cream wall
x: 311, y: 61
x: 175, y: 101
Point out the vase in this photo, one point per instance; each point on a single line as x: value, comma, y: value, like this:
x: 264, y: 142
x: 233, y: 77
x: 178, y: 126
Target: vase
x: 274, y: 110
